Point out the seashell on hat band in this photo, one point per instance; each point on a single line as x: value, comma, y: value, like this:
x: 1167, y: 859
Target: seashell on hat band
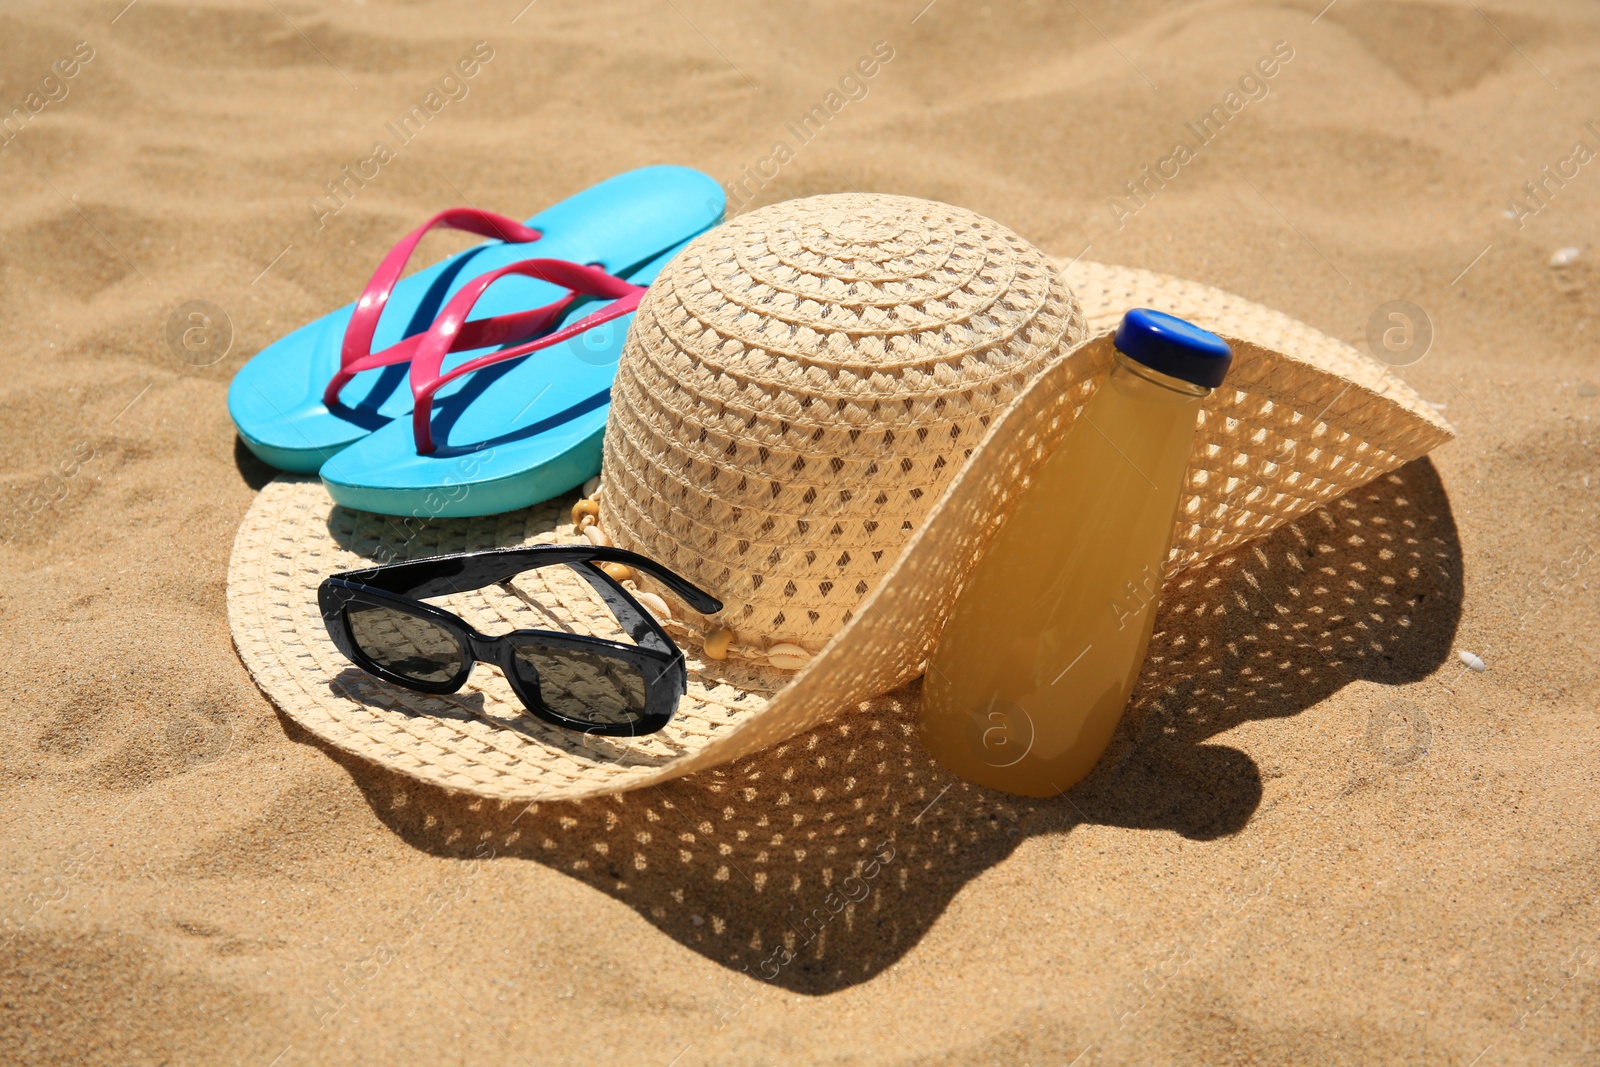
x: 801, y: 384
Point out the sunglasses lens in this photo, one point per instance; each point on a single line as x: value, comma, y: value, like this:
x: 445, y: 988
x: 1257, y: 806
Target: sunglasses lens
x: 585, y: 685
x: 412, y: 647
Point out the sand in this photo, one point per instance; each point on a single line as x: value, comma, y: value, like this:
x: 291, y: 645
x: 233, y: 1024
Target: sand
x: 1332, y: 842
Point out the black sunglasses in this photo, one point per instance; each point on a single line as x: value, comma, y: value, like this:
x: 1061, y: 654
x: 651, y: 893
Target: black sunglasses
x: 377, y: 619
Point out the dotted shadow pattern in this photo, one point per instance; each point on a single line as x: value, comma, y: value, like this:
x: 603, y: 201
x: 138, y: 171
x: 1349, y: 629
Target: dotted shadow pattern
x: 817, y: 863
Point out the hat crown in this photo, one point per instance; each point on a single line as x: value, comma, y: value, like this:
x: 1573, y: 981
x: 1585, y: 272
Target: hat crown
x: 800, y: 384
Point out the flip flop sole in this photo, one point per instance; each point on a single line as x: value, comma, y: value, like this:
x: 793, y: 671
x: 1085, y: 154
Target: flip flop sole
x: 276, y: 398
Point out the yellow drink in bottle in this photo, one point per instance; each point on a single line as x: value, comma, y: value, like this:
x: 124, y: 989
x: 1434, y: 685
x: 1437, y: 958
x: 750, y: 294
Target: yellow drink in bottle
x: 1039, y: 655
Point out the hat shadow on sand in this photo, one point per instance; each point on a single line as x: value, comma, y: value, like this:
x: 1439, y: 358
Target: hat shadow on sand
x: 817, y: 863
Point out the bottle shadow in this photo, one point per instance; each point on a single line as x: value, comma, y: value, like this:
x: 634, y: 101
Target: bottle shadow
x: 816, y: 864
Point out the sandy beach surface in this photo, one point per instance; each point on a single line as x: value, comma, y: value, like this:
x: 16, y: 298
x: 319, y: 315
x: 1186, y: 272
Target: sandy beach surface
x: 1336, y: 844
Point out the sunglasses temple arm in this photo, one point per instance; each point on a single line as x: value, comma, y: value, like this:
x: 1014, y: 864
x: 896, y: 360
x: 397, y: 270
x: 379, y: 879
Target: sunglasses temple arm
x: 688, y: 592
x: 457, y: 574
x: 642, y: 626
x: 501, y: 567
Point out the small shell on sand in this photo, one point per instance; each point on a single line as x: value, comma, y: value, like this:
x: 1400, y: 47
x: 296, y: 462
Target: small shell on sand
x: 788, y: 657
x: 1472, y: 660
x: 1564, y: 257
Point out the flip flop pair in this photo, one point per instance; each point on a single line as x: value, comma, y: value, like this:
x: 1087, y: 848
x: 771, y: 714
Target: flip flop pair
x: 506, y: 409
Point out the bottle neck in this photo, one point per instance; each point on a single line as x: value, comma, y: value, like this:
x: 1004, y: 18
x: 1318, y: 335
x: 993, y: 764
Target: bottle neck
x: 1127, y: 368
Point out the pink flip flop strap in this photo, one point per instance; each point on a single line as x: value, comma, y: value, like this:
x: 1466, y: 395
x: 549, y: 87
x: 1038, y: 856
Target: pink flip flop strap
x: 451, y: 325
x: 356, y: 353
x: 479, y: 333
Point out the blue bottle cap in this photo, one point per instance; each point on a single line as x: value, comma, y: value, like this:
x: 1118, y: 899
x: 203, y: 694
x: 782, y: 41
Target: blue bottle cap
x: 1174, y: 347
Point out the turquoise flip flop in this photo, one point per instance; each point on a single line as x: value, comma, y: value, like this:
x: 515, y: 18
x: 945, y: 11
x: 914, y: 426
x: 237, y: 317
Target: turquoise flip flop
x: 506, y: 429
x: 310, y: 395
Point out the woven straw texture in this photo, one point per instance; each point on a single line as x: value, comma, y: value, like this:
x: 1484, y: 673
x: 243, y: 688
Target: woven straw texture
x: 1294, y: 428
x: 801, y: 384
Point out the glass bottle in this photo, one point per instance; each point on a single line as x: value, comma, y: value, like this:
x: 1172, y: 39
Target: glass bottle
x: 1039, y: 656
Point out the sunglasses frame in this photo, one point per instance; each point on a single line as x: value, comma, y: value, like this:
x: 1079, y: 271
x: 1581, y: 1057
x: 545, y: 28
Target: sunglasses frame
x: 402, y: 586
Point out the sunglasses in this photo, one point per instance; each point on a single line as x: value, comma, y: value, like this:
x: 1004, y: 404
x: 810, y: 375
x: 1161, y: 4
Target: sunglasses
x: 377, y: 618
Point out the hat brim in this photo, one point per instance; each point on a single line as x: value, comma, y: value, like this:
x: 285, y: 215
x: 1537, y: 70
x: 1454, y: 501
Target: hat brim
x: 1302, y: 420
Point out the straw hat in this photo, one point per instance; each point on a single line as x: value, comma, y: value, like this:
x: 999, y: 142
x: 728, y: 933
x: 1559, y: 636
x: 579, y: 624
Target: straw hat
x: 822, y: 412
